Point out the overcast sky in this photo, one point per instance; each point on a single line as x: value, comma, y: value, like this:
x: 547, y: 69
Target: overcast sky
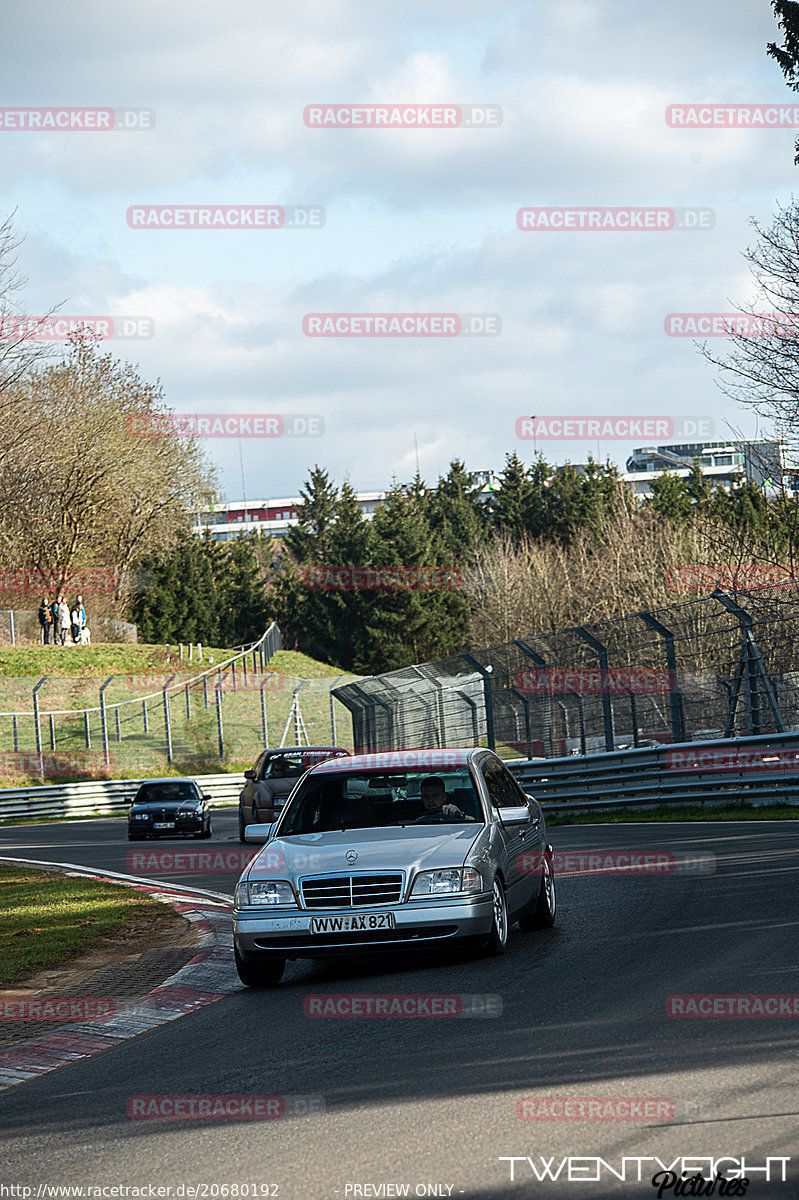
x: 416, y: 220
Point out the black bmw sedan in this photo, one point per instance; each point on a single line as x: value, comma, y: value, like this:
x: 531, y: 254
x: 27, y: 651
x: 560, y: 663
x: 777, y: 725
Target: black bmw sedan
x: 168, y: 807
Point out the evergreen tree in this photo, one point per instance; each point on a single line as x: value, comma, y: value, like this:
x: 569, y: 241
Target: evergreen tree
x: 670, y: 498
x: 241, y: 605
x: 179, y: 600
x: 458, y: 516
x: 511, y: 502
x: 308, y: 540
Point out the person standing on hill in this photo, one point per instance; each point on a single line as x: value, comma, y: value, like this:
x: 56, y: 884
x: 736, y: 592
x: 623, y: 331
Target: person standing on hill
x: 56, y: 615
x: 74, y: 619
x: 82, y: 612
x: 63, y: 619
x: 45, y: 620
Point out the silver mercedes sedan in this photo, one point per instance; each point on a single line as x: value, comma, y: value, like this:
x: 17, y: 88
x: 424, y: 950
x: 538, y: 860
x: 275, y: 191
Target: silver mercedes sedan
x: 403, y: 850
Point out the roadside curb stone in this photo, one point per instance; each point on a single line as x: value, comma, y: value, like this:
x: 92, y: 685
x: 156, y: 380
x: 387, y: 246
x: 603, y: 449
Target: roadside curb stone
x: 207, y: 977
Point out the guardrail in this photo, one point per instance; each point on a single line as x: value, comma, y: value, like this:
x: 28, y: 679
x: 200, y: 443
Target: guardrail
x: 100, y: 797
x: 728, y: 771
x: 755, y: 770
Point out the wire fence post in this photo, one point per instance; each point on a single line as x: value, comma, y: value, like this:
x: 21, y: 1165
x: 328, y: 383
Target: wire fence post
x: 219, y: 729
x: 15, y: 732
x: 168, y: 720
x: 116, y: 718
x: 104, y: 722
x: 188, y: 704
x: 37, y: 723
x: 333, y: 711
x: 264, y: 726
x: 205, y: 690
x: 675, y: 695
x: 52, y: 732
x: 11, y: 626
x: 87, y: 733
x: 486, y: 673
x: 144, y: 716
x: 607, y: 707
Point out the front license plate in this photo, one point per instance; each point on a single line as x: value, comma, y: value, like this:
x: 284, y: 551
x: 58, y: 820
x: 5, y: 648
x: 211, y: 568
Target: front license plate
x: 352, y: 923
x: 163, y: 824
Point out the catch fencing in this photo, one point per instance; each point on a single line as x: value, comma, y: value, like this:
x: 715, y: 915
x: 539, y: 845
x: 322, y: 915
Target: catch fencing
x: 220, y: 717
x: 723, y: 666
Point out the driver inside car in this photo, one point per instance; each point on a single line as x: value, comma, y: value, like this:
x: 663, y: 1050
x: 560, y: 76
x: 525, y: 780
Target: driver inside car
x: 434, y: 799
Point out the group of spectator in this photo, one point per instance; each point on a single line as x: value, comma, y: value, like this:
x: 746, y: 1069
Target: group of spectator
x: 63, y: 621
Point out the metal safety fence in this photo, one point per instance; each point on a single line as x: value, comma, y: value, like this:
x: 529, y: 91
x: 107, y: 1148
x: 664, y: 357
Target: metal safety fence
x: 723, y: 666
x: 219, y: 717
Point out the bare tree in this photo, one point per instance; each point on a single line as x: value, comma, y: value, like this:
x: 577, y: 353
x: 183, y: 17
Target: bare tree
x: 101, y: 492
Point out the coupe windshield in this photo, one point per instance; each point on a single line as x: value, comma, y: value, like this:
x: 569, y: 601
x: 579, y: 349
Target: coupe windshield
x: 165, y: 793
x: 369, y: 800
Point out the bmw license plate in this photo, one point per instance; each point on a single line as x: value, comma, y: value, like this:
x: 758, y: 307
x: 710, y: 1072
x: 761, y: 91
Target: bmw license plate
x: 163, y: 824
x: 352, y: 923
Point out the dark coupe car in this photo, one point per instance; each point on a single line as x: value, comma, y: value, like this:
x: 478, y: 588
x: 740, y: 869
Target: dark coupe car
x: 379, y: 852
x: 273, y: 777
x: 167, y: 808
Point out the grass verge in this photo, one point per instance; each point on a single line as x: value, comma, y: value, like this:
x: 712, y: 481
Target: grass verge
x: 106, y: 658
x: 49, y: 918
x: 668, y: 812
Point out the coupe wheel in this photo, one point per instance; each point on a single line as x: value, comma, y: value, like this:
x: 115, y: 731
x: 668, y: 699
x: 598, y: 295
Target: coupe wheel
x: 541, y: 913
x: 498, y: 937
x: 241, y: 825
x: 259, y: 972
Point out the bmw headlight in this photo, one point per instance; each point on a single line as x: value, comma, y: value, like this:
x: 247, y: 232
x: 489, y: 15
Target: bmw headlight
x: 267, y: 892
x: 451, y: 881
x: 189, y: 812
x: 139, y: 816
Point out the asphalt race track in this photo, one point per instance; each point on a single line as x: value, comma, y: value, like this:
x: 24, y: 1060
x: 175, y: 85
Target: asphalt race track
x: 431, y: 1103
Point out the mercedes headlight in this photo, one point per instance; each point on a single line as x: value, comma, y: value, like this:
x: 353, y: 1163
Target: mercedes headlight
x: 267, y: 892
x: 452, y: 881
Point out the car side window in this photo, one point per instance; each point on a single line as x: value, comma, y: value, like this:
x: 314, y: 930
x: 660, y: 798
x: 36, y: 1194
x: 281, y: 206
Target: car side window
x: 500, y: 786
